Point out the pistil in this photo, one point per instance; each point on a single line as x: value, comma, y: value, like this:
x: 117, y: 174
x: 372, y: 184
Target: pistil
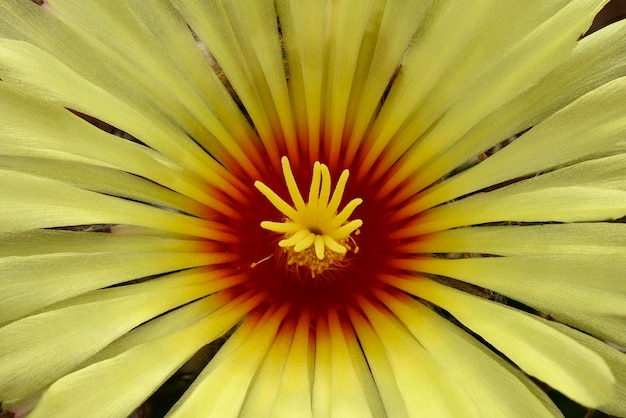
x: 316, y: 235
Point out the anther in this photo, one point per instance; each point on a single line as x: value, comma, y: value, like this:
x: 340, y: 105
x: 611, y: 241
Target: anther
x: 316, y: 234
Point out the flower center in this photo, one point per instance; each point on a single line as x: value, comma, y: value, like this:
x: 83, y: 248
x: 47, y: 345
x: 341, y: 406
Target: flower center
x: 316, y: 236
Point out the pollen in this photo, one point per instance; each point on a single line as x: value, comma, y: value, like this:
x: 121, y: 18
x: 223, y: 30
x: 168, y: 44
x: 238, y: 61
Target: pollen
x: 316, y: 234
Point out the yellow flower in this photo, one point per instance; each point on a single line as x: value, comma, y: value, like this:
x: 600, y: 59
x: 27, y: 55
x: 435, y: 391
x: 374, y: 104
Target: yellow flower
x: 463, y: 163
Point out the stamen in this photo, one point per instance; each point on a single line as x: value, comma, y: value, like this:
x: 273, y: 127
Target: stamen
x: 315, y: 235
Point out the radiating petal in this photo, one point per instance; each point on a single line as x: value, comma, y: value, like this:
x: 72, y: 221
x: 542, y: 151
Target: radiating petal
x: 572, y: 134
x: 577, y: 238
x: 28, y: 202
x: 540, y: 42
x: 347, y: 25
x: 39, y: 349
x: 420, y: 381
x: 554, y: 284
x: 589, y: 191
x: 281, y: 387
x: 30, y: 283
x: 39, y: 73
x: 45, y: 241
x: 103, y: 180
x: 57, y: 133
x: 380, y: 367
x: 596, y: 60
x: 262, y: 392
x: 493, y: 389
x: 521, y: 66
x: 137, y: 372
x: 614, y: 358
x: 253, y: 64
x: 220, y: 390
x: 155, y: 57
x: 537, y: 349
x: 392, y: 26
x: 293, y: 394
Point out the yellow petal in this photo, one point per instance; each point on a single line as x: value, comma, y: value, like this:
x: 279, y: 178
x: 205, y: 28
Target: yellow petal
x: 537, y: 349
x: 572, y: 134
x: 135, y: 373
x: 59, y: 134
x: 28, y: 202
x: 392, y: 25
x: 553, y: 284
x: 577, y: 238
x: 104, y: 180
x: 253, y: 64
x: 42, y: 241
x: 614, y: 358
x: 293, y: 395
x: 289, y: 392
x: 176, y: 320
x: 220, y: 390
x: 521, y: 66
x: 30, y: 283
x: 352, y: 389
x: 24, y: 64
x: 596, y: 60
x: 593, y: 190
x: 153, y: 59
x: 262, y: 393
x: 489, y: 384
x: 468, y: 73
x: 380, y: 366
x: 41, y: 348
x: 422, y: 383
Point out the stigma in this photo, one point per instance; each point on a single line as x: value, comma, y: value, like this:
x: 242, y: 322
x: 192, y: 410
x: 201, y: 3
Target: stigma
x: 316, y: 234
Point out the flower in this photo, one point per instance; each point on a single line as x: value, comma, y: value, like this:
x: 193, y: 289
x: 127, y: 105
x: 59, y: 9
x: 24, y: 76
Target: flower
x: 465, y: 165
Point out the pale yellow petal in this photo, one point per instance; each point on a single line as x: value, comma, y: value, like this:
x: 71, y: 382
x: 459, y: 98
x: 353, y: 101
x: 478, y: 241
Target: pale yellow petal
x: 596, y: 60
x: 41, y: 348
x: 571, y: 134
x: 39, y: 73
x: 253, y: 64
x: 134, y: 373
x: 492, y: 388
x: 301, y: 24
x: 380, y: 367
x: 557, y: 284
x: 30, y: 283
x: 262, y: 392
x: 43, y: 241
x: 577, y: 238
x: 347, y: 25
x: 614, y: 358
x: 28, y: 202
x: 351, y: 391
x: 593, y: 190
x: 537, y: 349
x: 435, y: 49
x: 139, y: 63
x: 180, y: 318
x: 293, y: 394
x: 321, y: 391
x: 522, y: 65
x: 57, y: 133
x: 453, y: 73
x: 220, y: 390
x: 104, y: 180
x: 390, y: 30
x: 153, y: 58
x: 420, y: 380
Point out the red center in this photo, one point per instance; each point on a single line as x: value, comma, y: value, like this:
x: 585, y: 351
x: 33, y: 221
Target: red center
x: 336, y: 287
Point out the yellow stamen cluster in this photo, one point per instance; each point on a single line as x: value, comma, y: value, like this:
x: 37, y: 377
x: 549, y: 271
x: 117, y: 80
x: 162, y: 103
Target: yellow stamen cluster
x: 316, y: 236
